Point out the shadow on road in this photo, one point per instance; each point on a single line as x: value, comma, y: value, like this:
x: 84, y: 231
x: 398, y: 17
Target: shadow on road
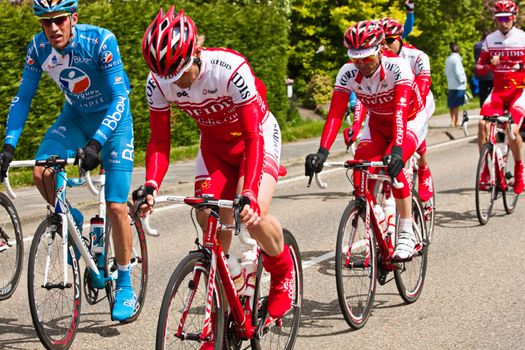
x: 26, y: 334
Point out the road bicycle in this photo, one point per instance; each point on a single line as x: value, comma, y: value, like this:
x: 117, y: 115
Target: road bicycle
x: 11, y: 247
x: 54, y: 278
x: 365, y: 248
x: 202, y: 303
x: 495, y: 171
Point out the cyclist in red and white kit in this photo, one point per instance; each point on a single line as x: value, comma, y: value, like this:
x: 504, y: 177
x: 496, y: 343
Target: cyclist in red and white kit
x: 396, y: 123
x: 240, y: 139
x: 420, y: 64
x: 503, y: 52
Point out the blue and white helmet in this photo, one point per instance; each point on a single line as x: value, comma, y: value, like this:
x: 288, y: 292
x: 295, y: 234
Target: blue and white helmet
x: 41, y: 7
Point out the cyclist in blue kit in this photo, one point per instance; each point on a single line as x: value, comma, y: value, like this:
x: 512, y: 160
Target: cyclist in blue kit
x: 84, y: 61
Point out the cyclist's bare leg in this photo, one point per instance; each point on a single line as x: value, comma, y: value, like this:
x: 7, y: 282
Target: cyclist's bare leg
x: 118, y: 214
x: 454, y: 112
x: 482, y: 133
x: 44, y: 182
x: 404, y: 206
x: 268, y: 232
x: 422, y: 160
x: 516, y: 144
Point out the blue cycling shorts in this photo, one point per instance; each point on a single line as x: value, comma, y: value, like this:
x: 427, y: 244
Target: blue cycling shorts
x: 72, y: 130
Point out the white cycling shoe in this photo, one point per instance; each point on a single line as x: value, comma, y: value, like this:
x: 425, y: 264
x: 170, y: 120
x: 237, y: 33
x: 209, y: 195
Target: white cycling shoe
x: 406, y: 243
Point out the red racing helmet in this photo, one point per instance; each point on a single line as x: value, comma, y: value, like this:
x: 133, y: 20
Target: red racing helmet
x: 392, y: 27
x: 364, y: 39
x: 169, y: 43
x: 503, y: 8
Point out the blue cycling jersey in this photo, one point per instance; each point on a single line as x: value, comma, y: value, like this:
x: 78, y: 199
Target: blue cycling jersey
x: 89, y: 71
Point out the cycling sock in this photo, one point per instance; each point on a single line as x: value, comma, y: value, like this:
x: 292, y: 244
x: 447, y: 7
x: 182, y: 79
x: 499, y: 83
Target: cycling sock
x: 405, y: 225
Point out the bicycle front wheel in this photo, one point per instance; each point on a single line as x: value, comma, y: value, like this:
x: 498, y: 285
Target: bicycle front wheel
x: 510, y: 199
x: 139, y: 263
x: 54, y: 303
x: 281, y: 333
x: 355, y: 266
x: 410, y: 277
x: 485, y: 184
x: 182, y: 313
x: 11, y: 248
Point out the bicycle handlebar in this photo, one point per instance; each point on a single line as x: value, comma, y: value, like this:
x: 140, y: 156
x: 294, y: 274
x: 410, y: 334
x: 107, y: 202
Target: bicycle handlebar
x: 32, y: 163
x: 354, y: 164
x: 503, y: 119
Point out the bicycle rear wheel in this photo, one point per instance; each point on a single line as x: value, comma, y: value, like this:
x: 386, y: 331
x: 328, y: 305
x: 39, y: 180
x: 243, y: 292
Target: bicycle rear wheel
x: 11, y: 248
x: 355, y: 266
x: 139, y: 263
x: 510, y: 199
x: 281, y: 333
x: 55, y: 306
x: 485, y: 184
x: 181, y: 318
x: 410, y: 277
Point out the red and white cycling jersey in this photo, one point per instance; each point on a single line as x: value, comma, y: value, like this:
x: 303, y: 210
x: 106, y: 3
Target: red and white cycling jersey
x: 229, y: 105
x: 510, y: 48
x: 509, y: 74
x: 420, y: 64
x: 389, y: 95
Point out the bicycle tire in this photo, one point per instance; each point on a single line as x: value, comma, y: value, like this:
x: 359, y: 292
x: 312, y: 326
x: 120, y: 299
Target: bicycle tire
x: 510, y: 199
x: 139, y: 263
x: 485, y: 192
x: 11, y: 248
x: 57, y: 331
x: 410, y: 278
x: 355, y: 270
x: 185, y: 269
x: 430, y: 218
x: 286, y: 327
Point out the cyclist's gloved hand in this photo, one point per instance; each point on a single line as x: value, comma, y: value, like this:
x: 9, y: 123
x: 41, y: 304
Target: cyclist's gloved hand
x: 144, y: 197
x: 6, y: 156
x: 395, y: 161
x: 91, y: 159
x: 349, y: 137
x: 314, y: 162
x: 409, y: 5
x: 248, y: 198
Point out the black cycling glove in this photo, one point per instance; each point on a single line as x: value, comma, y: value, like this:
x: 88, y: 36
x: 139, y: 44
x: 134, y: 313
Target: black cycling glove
x: 91, y: 159
x: 314, y: 162
x: 6, y: 156
x: 395, y: 164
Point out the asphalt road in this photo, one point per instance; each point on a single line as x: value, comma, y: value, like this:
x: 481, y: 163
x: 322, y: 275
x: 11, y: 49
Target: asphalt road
x: 472, y: 299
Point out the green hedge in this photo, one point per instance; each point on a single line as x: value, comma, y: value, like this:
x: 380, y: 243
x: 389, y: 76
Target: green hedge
x: 258, y: 31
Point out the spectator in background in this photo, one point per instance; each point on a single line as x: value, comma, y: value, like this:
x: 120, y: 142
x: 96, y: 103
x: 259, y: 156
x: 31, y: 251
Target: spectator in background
x: 485, y: 81
x: 456, y: 83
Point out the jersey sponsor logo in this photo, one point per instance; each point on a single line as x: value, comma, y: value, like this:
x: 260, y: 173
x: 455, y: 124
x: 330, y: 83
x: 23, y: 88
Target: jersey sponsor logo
x: 30, y: 61
x: 127, y: 153
x: 211, y: 92
x: 347, y: 76
x: 394, y: 68
x: 86, y: 60
x: 107, y: 56
x: 240, y: 83
x: 111, y: 120
x: 150, y: 88
x: 74, y: 80
x: 369, y: 100
x: 181, y: 94
x: 118, y: 80
x: 54, y: 63
x: 221, y: 63
x: 89, y: 39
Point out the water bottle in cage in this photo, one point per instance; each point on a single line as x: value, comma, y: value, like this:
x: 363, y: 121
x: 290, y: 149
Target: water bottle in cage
x: 389, y: 209
x: 236, y: 272
x: 97, y: 234
x: 380, y: 216
x: 499, y: 155
x: 249, y: 266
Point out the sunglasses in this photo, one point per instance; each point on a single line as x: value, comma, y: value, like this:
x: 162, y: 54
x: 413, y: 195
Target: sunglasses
x: 364, y: 60
x: 58, y: 20
x: 391, y: 39
x: 504, y: 19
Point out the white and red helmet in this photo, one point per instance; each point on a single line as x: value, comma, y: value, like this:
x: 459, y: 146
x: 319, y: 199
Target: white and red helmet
x: 504, y: 8
x: 392, y: 27
x: 169, y: 43
x: 364, y: 39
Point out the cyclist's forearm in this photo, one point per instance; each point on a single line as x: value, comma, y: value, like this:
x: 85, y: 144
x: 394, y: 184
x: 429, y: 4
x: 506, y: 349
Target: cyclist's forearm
x: 334, y: 118
x: 409, y: 24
